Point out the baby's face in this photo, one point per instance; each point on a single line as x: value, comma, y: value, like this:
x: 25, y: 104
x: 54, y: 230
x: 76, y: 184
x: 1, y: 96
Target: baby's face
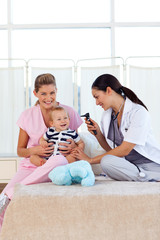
x: 60, y: 120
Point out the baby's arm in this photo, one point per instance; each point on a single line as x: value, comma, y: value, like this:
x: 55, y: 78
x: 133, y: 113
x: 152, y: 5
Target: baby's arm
x: 80, y: 144
x: 43, y: 142
x: 71, y: 157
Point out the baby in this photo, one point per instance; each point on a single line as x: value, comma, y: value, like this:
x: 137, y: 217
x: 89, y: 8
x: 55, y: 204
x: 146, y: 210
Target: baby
x: 59, y: 132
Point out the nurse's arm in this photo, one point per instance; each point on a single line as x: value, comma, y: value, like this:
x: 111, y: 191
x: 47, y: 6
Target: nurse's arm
x: 102, y: 141
x: 100, y: 137
x: 23, y: 151
x: 121, y: 151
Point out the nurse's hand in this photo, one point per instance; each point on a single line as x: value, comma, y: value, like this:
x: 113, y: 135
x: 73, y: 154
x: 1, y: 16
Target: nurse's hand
x: 66, y: 148
x: 92, y: 127
x: 80, y: 155
x: 42, y: 151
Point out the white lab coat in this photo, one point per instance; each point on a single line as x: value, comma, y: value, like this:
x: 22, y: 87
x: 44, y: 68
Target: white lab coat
x: 136, y: 128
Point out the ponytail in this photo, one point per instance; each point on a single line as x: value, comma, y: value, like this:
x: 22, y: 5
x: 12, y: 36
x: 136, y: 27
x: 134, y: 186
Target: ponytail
x: 132, y: 96
x: 107, y: 80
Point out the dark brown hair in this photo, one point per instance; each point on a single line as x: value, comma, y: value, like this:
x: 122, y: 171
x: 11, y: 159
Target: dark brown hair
x: 107, y: 80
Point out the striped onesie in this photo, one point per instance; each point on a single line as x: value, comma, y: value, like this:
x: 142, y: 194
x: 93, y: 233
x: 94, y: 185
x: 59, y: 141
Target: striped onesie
x: 52, y: 136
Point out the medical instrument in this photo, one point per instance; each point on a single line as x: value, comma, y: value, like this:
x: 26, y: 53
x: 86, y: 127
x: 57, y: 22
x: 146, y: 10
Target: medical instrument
x: 141, y: 174
x: 87, y: 115
x: 114, y: 117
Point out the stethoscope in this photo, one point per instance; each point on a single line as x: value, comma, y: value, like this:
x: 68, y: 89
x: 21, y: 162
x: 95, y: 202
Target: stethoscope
x: 114, y: 117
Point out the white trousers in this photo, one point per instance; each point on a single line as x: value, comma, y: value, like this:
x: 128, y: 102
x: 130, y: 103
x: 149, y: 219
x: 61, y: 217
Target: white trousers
x: 122, y: 170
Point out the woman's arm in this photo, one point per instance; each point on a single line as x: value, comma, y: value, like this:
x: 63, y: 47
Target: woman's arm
x: 80, y: 144
x: 121, y: 151
x: 23, y: 151
x: 43, y: 142
x: 101, y: 139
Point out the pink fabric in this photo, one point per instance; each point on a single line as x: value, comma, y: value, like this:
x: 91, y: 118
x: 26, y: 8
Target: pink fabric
x: 31, y: 121
x: 33, y: 176
x: 21, y: 174
x: 28, y: 176
x: 40, y: 175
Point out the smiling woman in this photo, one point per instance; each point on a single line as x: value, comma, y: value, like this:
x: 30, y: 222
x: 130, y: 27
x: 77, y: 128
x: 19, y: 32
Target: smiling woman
x: 46, y: 94
x: 132, y: 153
x: 33, y: 122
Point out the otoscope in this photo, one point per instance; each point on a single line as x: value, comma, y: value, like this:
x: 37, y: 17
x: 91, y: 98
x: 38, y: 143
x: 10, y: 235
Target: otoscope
x: 88, y: 119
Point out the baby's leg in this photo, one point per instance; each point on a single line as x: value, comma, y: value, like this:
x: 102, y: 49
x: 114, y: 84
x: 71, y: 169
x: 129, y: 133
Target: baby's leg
x: 40, y: 174
x: 37, y: 161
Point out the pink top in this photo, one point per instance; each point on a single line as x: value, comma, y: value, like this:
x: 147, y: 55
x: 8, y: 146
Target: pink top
x: 31, y: 121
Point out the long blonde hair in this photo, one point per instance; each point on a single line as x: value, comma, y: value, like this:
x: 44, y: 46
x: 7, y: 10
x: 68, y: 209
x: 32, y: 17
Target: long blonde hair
x: 43, y: 79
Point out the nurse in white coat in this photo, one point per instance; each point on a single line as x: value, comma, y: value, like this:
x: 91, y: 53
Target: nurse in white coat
x: 132, y: 153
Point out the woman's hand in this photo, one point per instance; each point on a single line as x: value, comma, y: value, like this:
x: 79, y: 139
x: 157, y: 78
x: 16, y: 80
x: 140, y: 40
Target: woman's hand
x: 92, y: 127
x: 80, y: 155
x: 23, y: 151
x: 42, y: 151
x: 66, y: 148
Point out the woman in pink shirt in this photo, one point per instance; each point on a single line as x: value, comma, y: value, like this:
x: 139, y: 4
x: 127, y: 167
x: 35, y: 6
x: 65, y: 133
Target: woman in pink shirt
x: 33, y: 122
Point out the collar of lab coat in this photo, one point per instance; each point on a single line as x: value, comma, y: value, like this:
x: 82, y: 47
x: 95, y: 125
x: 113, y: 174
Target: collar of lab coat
x: 128, y: 105
x: 107, y: 118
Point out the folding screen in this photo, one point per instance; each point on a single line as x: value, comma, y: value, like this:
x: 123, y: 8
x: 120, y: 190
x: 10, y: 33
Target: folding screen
x: 74, y: 88
x: 86, y: 76
x: 145, y: 82
x: 63, y: 74
x: 12, y: 92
